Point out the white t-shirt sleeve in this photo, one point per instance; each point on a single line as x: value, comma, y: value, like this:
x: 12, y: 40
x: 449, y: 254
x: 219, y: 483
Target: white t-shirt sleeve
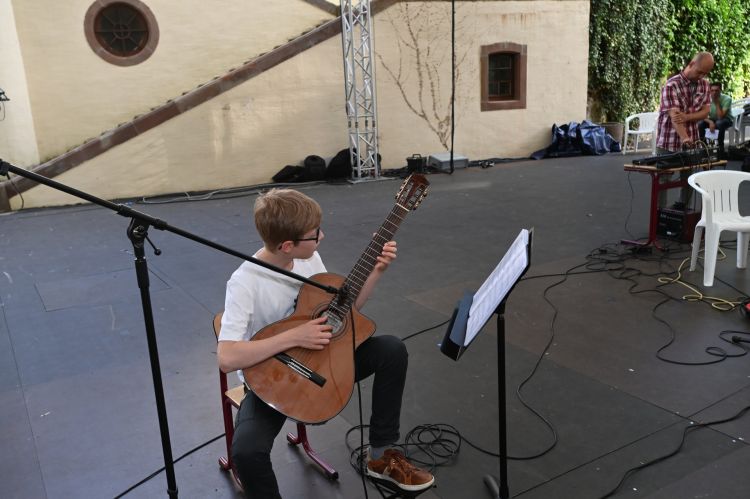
x: 238, y: 312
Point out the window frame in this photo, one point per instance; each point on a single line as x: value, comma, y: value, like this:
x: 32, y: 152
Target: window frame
x: 519, y: 54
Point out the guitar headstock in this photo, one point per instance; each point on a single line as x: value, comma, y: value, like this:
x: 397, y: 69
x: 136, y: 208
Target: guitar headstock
x: 412, y: 191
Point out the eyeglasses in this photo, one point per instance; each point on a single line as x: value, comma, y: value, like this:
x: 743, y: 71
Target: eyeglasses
x: 316, y: 238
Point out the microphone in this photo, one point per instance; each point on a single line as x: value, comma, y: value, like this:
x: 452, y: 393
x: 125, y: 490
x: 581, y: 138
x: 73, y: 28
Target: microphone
x: 740, y: 339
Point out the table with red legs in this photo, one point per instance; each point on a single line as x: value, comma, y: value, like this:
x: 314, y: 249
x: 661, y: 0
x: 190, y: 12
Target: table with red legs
x: 657, y: 187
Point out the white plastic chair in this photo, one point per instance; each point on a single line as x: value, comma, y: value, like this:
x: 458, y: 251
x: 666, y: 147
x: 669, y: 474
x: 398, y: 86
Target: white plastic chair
x: 737, y: 130
x: 646, y: 126
x: 719, y: 190
x: 733, y: 132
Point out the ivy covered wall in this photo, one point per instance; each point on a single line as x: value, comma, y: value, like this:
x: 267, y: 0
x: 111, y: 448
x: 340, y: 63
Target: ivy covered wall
x: 635, y: 46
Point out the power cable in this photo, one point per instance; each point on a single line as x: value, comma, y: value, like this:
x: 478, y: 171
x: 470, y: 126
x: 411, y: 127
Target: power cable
x: 453, y: 79
x: 228, y: 193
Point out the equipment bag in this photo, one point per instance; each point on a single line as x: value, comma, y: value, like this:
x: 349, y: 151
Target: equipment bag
x: 289, y: 174
x: 314, y: 169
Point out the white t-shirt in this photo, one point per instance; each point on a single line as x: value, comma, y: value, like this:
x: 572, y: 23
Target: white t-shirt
x: 257, y: 296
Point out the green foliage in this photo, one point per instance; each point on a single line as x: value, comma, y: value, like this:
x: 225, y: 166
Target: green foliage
x: 721, y: 27
x: 627, y: 42
x: 634, y: 46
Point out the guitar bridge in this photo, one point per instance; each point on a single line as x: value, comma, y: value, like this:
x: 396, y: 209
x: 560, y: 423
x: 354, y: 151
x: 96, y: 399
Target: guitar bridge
x: 300, y: 369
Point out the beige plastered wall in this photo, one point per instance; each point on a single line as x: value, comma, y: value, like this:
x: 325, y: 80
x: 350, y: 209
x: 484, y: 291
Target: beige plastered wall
x: 296, y: 109
x: 76, y: 95
x: 17, y: 138
x: 556, y: 36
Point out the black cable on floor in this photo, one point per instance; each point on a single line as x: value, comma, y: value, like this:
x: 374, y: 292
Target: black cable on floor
x: 412, y: 335
x: 611, y: 259
x: 659, y: 459
x: 155, y: 473
x: 603, y: 257
x: 228, y: 193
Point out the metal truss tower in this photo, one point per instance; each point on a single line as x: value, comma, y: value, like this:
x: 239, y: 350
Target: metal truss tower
x: 359, y: 82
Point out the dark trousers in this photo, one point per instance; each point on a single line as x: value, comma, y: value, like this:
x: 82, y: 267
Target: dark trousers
x: 257, y: 424
x: 721, y: 126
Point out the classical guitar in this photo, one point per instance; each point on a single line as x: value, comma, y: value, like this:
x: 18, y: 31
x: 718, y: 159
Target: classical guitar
x: 312, y: 386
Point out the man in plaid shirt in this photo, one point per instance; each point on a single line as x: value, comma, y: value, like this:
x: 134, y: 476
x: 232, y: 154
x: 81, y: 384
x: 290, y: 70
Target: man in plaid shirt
x: 685, y: 102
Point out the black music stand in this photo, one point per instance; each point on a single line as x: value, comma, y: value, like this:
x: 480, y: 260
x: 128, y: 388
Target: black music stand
x: 470, y: 316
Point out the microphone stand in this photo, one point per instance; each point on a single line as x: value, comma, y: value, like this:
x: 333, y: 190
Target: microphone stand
x: 138, y: 233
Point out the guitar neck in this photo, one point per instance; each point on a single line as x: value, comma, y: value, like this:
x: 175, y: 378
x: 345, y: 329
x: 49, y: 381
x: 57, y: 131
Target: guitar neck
x: 356, y: 279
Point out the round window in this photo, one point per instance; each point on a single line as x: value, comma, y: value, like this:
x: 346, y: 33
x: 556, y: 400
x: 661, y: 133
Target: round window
x: 122, y: 32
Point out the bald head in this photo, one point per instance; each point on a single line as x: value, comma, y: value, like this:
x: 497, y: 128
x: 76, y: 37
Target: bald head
x: 701, y: 64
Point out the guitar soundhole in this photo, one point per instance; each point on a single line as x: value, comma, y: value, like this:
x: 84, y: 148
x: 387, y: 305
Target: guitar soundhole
x: 337, y: 323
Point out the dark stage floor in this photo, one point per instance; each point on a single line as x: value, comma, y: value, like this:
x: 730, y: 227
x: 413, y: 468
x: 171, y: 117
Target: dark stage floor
x: 77, y: 412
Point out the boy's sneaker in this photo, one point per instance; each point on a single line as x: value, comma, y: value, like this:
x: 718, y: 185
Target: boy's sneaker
x: 395, y: 468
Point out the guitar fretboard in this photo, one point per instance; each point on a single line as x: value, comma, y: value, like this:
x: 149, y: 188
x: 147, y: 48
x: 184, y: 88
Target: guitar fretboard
x: 341, y: 305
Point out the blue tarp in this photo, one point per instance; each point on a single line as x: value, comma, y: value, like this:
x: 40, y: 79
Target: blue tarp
x: 573, y: 139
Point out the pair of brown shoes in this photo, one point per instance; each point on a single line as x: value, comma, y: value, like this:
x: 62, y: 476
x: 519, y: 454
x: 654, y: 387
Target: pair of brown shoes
x: 394, y: 467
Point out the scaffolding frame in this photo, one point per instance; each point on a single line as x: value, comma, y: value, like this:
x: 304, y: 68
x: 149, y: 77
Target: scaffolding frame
x: 359, y: 88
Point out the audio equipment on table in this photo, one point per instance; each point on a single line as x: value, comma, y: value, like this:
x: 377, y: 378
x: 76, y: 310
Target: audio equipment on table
x: 690, y: 157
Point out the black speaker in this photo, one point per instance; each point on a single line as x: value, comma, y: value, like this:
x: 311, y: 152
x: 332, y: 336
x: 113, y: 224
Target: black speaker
x: 416, y: 163
x: 677, y: 224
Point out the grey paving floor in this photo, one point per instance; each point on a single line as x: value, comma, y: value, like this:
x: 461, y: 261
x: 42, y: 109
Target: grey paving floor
x: 77, y: 412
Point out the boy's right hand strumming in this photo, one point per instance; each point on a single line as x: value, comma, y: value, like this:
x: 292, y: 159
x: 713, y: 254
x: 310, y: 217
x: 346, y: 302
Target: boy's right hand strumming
x: 313, y: 335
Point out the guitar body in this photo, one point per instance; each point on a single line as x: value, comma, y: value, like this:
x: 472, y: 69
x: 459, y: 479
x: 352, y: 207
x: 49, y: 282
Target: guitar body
x: 294, y: 395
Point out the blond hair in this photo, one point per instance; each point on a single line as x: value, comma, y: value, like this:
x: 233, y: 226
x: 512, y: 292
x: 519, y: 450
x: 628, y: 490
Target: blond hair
x: 284, y: 215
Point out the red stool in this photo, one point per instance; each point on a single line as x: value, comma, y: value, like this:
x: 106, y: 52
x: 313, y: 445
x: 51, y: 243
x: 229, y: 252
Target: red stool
x: 232, y: 399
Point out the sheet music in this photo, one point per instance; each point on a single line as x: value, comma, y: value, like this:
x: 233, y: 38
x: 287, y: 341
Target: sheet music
x: 497, y: 285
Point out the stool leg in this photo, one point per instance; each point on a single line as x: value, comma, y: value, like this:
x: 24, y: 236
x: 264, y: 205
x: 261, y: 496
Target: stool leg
x: 301, y: 438
x: 226, y: 462
x: 226, y: 409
